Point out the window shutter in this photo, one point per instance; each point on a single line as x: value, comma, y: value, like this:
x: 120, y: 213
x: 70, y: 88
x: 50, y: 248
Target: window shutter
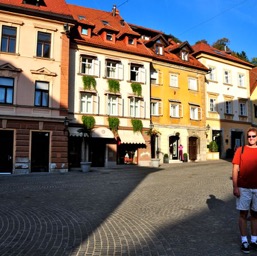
x: 122, y: 107
x: 142, y: 75
x: 107, y: 105
x: 120, y: 71
x: 160, y: 108
x: 96, y: 68
x: 181, y: 110
x: 199, y: 113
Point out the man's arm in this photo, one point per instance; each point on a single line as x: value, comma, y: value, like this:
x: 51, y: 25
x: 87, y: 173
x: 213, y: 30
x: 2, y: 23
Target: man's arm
x: 235, y: 171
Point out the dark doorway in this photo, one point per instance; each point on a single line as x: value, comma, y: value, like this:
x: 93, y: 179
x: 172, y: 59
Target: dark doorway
x: 98, y: 152
x: 173, y: 143
x: 40, y: 151
x: 6, y: 151
x: 192, y: 148
x: 75, y: 151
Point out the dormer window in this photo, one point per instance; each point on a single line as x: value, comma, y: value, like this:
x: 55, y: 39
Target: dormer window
x: 84, y: 31
x: 34, y: 2
x: 130, y: 40
x: 184, y: 55
x: 105, y: 22
x: 109, y: 37
x: 159, y: 49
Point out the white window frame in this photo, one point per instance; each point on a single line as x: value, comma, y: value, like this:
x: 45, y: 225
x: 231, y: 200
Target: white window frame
x: 84, y: 31
x: 227, y: 77
x: 139, y: 73
x: 109, y: 37
x: 112, y: 105
x: 173, y: 80
x: 176, y: 109
x: 228, y: 107
x: 241, y: 80
x: 192, y: 84
x: 156, y: 107
x: 114, y: 69
x: 212, y: 105
x: 242, y: 108
x: 195, y: 113
x: 134, y: 107
x: 89, y: 65
x: 212, y: 74
x: 154, y: 76
x: 86, y: 103
x: 184, y: 55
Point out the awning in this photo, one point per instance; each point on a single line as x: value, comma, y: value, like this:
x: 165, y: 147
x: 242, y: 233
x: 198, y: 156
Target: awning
x: 100, y: 132
x: 130, y: 137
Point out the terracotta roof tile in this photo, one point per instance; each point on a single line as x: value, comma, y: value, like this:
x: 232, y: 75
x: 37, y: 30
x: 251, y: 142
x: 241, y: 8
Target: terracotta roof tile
x: 50, y: 6
x: 253, y: 79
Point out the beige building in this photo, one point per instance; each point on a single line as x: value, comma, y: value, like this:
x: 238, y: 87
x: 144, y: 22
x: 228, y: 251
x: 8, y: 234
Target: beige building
x: 34, y: 60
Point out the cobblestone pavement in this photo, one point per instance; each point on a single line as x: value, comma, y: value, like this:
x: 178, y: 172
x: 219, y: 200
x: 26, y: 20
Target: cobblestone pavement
x: 178, y: 210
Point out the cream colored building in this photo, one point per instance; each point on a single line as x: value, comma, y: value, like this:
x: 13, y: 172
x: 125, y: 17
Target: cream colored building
x: 228, y: 114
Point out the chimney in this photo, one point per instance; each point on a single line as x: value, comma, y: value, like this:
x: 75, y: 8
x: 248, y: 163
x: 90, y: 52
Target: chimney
x: 114, y: 10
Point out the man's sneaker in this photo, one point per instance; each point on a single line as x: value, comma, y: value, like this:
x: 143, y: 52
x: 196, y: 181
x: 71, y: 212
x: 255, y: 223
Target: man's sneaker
x: 245, y: 247
x: 253, y: 245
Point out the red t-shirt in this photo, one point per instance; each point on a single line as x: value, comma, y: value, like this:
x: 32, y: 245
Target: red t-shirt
x: 247, y: 161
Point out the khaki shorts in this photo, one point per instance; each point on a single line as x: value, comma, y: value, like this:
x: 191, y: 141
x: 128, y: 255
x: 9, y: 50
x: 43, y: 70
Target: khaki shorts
x: 247, y: 199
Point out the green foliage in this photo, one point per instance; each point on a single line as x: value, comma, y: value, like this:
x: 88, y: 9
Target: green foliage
x: 88, y: 122
x: 114, y: 85
x: 136, y: 88
x: 202, y: 41
x: 137, y: 125
x: 166, y: 156
x: 221, y: 44
x: 89, y: 82
x: 213, y: 146
x: 114, y: 123
x: 254, y: 61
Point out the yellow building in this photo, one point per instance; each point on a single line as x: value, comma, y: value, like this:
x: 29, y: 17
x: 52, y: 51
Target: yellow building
x: 177, y: 98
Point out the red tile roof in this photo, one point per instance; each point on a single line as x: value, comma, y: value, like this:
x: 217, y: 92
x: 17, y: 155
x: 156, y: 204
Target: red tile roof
x: 115, y: 23
x: 205, y: 48
x: 253, y: 79
x: 51, y: 6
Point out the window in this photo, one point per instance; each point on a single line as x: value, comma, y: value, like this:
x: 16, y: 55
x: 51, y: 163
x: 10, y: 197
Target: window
x: 192, y: 84
x: 42, y: 94
x: 137, y: 73
x: 112, y: 106
x: 89, y: 66
x: 174, y: 110
x: 154, y: 77
x: 255, y: 111
x: 84, y: 31
x: 227, y: 77
x: 156, y: 107
x: 195, y: 113
x: 212, y: 73
x: 130, y: 40
x: 228, y: 107
x: 8, y: 40
x: 43, y: 45
x: 242, y: 109
x: 159, y: 49
x: 134, y: 107
x: 212, y: 105
x: 184, y: 55
x: 6, y: 90
x: 86, y: 103
x: 173, y: 80
x: 109, y: 37
x: 241, y: 80
x: 114, y: 69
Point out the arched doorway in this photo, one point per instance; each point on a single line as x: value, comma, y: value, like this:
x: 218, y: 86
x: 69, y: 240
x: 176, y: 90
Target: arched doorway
x: 193, y: 141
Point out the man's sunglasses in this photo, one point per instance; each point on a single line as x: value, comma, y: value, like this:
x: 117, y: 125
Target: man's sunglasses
x: 251, y: 136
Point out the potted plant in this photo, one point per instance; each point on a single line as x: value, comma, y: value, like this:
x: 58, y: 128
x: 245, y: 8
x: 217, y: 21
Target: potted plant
x: 166, y: 158
x: 213, y: 153
x: 185, y: 157
x: 88, y: 125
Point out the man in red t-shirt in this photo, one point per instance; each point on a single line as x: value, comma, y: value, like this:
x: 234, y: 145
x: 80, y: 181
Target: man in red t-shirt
x: 244, y: 176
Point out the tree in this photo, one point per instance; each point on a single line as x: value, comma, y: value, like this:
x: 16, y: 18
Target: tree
x: 202, y: 41
x: 221, y: 44
x: 254, y: 61
x: 241, y: 55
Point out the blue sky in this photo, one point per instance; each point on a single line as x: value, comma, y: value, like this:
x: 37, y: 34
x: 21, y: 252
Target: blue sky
x: 191, y: 20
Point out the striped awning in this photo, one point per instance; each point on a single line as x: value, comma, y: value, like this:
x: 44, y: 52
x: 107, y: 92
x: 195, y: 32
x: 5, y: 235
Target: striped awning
x: 130, y: 137
x: 99, y: 132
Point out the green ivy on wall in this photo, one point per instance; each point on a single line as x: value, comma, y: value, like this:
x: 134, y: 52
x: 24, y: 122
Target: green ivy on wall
x: 114, y: 123
x: 88, y: 122
x: 114, y: 85
x: 137, y: 125
x: 136, y: 88
x: 89, y: 82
